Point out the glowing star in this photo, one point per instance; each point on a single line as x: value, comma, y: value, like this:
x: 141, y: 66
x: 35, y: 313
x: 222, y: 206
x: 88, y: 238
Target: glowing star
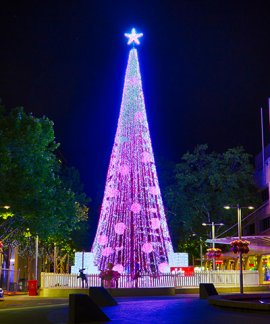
x: 133, y: 37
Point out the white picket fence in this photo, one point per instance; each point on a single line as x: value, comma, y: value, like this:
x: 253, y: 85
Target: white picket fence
x: 229, y: 278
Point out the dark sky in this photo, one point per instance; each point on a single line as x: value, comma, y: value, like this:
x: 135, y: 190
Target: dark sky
x: 205, y: 70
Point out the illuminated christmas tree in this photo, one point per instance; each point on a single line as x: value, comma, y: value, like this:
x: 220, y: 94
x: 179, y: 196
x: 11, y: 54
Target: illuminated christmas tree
x: 132, y: 231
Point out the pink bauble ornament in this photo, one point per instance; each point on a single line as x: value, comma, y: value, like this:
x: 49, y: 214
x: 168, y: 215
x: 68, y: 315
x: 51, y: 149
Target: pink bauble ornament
x: 112, y: 192
x: 147, y: 247
x: 146, y: 157
x: 119, y: 268
x: 164, y: 267
x: 102, y: 239
x: 154, y: 190
x: 135, y: 208
x: 155, y: 223
x: 120, y: 228
x: 124, y: 169
x: 107, y: 251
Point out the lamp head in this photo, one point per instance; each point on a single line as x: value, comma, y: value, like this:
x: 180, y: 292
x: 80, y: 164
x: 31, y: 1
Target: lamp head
x: 227, y: 207
x: 250, y: 207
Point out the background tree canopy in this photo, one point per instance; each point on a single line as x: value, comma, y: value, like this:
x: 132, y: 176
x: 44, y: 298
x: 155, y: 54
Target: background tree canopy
x: 204, y: 182
x: 46, y: 197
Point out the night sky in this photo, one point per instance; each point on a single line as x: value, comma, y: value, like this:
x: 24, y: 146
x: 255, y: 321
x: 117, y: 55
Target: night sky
x: 205, y: 71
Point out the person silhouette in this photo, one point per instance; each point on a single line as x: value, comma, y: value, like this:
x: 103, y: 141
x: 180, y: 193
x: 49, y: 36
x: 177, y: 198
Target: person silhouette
x: 83, y: 277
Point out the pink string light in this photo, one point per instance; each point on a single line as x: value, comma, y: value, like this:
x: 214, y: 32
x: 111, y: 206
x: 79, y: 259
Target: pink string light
x: 132, y: 230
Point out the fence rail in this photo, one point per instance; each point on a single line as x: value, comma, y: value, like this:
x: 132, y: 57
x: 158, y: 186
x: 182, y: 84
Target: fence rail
x: 229, y: 278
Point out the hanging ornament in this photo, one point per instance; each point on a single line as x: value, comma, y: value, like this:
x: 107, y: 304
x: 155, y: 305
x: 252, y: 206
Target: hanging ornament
x: 119, y: 268
x: 102, y: 240
x: 107, y: 251
x: 124, y: 169
x: 146, y: 157
x: 155, y: 223
x: 164, y: 267
x: 147, y: 247
x: 112, y: 192
x: 154, y: 190
x: 120, y: 228
x: 136, y: 208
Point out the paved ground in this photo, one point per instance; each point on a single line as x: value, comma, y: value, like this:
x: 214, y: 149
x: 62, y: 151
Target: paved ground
x: 187, y: 309
x: 14, y: 302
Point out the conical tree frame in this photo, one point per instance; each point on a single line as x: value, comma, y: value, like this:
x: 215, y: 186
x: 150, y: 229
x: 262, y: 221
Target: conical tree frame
x: 132, y: 231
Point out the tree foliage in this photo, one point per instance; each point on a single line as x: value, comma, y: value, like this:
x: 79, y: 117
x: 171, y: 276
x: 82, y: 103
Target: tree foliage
x: 32, y: 182
x: 204, y: 183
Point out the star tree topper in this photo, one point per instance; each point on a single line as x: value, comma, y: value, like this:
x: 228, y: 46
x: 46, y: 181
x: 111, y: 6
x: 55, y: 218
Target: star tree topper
x: 133, y: 37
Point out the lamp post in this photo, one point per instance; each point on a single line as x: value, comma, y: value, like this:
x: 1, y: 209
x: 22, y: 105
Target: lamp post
x: 36, y: 259
x: 239, y: 222
x: 213, y: 225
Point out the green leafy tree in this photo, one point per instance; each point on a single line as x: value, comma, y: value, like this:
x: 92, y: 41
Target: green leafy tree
x: 204, y: 183
x: 31, y: 180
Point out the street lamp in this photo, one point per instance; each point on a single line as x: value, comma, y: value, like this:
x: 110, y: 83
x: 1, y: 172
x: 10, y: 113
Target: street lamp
x: 213, y: 225
x: 239, y: 222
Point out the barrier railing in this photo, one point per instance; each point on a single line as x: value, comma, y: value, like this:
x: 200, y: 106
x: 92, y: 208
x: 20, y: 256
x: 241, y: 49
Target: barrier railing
x: 229, y: 278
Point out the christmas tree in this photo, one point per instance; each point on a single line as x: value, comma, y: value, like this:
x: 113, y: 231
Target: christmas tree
x: 132, y: 231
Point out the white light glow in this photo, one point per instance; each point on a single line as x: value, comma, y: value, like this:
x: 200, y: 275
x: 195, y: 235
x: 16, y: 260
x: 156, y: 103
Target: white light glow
x: 133, y: 37
x: 132, y: 227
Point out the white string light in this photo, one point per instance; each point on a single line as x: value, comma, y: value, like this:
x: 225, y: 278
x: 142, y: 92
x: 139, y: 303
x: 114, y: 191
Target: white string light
x: 132, y: 226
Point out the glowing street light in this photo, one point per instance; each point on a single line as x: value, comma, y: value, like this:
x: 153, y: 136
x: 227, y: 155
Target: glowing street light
x: 213, y: 225
x: 239, y: 221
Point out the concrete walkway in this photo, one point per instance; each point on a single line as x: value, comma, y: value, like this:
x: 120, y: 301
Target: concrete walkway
x: 186, y: 309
